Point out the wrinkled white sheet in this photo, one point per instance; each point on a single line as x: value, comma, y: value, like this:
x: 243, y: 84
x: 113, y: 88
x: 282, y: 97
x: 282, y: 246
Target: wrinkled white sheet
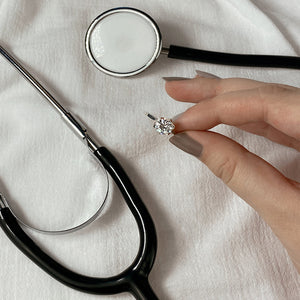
x: 211, y: 245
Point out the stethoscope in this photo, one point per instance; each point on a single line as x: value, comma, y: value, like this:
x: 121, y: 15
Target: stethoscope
x: 120, y: 42
x: 125, y: 41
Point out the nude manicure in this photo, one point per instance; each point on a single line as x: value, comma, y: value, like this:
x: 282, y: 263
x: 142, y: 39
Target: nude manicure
x: 205, y: 74
x: 187, y: 144
x: 175, y: 78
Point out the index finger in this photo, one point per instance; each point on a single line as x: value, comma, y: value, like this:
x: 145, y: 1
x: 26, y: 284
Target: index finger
x: 275, y: 105
x: 199, y: 88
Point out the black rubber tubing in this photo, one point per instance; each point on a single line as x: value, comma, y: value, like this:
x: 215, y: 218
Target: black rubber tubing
x: 134, y: 279
x: 247, y: 60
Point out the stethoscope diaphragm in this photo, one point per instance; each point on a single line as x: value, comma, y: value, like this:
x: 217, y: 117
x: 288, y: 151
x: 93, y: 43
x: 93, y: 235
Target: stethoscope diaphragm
x: 123, y: 42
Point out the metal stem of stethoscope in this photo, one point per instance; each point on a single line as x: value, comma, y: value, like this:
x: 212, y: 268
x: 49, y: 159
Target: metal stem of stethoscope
x: 74, y: 124
x: 135, y: 278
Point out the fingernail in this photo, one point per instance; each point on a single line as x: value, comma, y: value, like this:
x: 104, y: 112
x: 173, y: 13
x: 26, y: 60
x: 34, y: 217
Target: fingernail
x: 205, y: 74
x: 175, y: 78
x: 176, y: 117
x: 184, y: 142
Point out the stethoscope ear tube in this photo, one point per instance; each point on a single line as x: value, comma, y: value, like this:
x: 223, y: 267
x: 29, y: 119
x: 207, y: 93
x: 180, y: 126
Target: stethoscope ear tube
x: 134, y: 279
x: 247, y: 60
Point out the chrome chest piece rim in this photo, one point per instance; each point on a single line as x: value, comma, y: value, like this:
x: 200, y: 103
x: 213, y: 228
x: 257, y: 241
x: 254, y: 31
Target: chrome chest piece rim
x: 96, y: 55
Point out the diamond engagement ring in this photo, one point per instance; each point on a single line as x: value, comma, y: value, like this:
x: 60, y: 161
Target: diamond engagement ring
x: 162, y: 125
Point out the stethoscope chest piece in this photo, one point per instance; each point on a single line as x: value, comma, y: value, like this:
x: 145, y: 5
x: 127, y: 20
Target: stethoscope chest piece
x: 123, y: 42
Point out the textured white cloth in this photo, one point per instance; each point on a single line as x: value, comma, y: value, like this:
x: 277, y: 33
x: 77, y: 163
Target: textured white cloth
x: 211, y: 245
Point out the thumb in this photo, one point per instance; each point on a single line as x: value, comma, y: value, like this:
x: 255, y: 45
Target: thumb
x: 273, y: 196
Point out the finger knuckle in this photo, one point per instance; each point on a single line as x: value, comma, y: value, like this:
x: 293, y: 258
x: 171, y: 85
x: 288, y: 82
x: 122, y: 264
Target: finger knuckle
x: 270, y: 97
x: 273, y: 89
x: 220, y: 86
x: 226, y: 169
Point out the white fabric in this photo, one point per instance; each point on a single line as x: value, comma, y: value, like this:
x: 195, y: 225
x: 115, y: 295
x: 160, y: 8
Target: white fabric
x: 211, y: 245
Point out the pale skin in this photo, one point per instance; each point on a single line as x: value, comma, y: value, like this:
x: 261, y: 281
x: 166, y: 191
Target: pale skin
x: 269, y: 110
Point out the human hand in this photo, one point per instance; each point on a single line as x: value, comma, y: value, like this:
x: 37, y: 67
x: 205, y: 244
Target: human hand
x: 269, y: 110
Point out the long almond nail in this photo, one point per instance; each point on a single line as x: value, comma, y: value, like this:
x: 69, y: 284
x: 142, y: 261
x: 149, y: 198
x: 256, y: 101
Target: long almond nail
x: 175, y: 78
x: 205, y: 74
x: 184, y: 142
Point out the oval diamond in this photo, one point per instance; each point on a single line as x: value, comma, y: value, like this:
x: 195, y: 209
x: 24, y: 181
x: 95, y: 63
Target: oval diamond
x: 164, y: 126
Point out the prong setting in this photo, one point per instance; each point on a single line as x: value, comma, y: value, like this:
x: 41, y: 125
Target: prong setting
x: 162, y: 125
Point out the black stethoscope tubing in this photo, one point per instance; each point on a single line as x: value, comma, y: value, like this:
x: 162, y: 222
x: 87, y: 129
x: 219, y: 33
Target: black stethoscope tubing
x: 134, y: 279
x: 246, y: 60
